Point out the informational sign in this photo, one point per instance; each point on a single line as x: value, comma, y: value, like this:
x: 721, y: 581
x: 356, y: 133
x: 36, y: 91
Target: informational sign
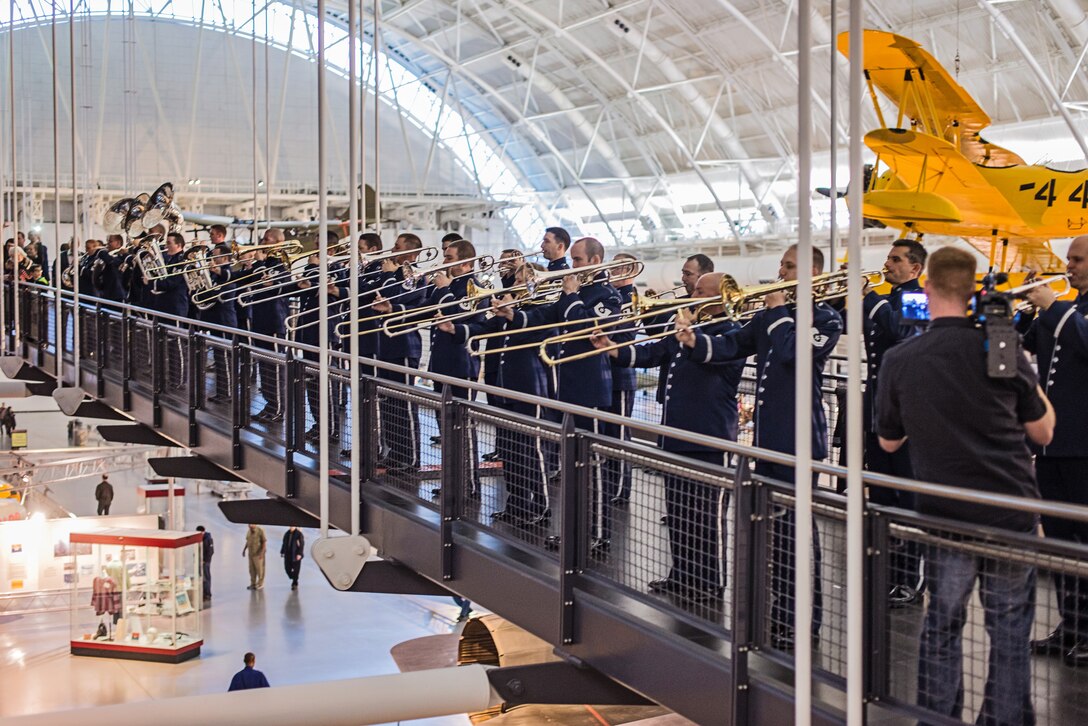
x: 18, y: 439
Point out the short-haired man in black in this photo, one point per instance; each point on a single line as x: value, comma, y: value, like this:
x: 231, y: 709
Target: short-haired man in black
x: 448, y: 239
x: 554, y: 247
x: 884, y: 328
x: 967, y: 430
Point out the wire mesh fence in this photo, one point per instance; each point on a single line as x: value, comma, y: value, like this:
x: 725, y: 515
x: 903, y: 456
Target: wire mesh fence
x: 175, y: 379
x: 410, y: 452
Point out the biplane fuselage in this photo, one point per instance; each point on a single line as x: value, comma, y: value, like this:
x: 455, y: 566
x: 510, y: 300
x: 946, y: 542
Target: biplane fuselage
x: 943, y: 178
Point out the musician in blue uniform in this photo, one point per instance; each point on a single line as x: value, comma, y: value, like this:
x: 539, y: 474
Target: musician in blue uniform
x: 520, y: 453
x: 267, y: 317
x: 701, y: 397
x: 449, y: 357
x: 1059, y: 339
x: 884, y: 328
x: 221, y: 313
x: 106, y: 270
x: 554, y: 248
x: 399, y: 418
x: 170, y: 294
x: 509, y: 262
x: 771, y: 336
x: 307, y: 289
x: 587, y: 382
x: 617, y: 474
x: 91, y: 248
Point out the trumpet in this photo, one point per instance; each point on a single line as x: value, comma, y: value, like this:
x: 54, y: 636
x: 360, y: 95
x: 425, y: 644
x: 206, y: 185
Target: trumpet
x: 1025, y: 306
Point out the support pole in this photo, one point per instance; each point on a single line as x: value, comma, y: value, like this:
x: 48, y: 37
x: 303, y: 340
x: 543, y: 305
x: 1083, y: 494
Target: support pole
x: 58, y: 309
x: 75, y: 204
x: 802, y: 626
x: 323, y: 282
x: 855, y: 491
x: 354, y: 35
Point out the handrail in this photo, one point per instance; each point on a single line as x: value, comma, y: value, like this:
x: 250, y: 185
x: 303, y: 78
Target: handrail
x: 1062, y: 510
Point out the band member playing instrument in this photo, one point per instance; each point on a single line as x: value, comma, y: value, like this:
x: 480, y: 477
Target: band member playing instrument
x: 106, y: 269
x: 771, y: 336
x: 617, y: 474
x: 586, y: 382
x: 521, y: 454
x: 554, y: 247
x: 884, y: 329
x: 221, y: 313
x: 701, y: 397
x: 267, y: 316
x: 1059, y: 339
x: 86, y: 267
x: 399, y: 418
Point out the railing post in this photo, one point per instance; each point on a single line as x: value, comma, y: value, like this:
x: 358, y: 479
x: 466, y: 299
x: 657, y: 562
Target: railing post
x: 369, y: 421
x: 744, y: 565
x: 196, y: 382
x: 158, y: 371
x: 126, y: 359
x: 878, y: 624
x: 239, y: 405
x: 102, y: 346
x: 293, y: 417
x: 453, y: 474
x: 574, y: 486
x: 759, y: 529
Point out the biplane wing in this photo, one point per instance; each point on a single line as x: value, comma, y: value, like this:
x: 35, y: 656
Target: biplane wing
x: 927, y: 95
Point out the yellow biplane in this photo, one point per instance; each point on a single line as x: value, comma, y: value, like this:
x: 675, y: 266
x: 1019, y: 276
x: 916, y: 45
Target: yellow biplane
x: 943, y: 178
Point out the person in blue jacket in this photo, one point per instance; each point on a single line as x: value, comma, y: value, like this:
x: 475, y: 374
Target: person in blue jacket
x: 771, y: 336
x: 701, y: 397
x: 268, y: 315
x: 221, y: 313
x: 248, y: 677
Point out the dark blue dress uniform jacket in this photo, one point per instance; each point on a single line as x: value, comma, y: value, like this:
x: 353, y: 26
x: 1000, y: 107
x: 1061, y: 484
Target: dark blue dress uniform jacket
x: 560, y: 264
x: 309, y: 299
x: 268, y: 313
x: 699, y: 397
x: 587, y: 382
x: 403, y: 346
x: 170, y: 295
x: 884, y: 329
x: 448, y: 356
x: 516, y: 370
x: 1059, y: 338
x: 222, y: 313
x: 770, y: 336
x: 369, y: 281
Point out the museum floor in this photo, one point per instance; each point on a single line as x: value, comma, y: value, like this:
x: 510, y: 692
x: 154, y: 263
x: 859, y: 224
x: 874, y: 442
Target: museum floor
x: 312, y: 634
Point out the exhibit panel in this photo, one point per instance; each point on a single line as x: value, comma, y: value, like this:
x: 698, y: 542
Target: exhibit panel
x: 142, y: 595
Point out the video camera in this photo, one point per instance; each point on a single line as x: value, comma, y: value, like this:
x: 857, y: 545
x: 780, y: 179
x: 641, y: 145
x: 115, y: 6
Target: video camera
x: 995, y: 313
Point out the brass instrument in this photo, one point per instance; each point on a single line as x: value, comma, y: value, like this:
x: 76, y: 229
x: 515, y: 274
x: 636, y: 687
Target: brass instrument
x: 1025, y: 306
x: 198, y: 276
x: 413, y: 279
x: 468, y: 308
x: 278, y: 250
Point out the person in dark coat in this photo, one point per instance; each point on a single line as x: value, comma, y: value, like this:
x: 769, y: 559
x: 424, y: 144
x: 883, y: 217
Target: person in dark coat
x: 248, y: 677
x: 207, y: 549
x: 103, y: 493
x: 293, y: 546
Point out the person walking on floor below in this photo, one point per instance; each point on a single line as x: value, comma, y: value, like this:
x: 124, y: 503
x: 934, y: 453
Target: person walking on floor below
x: 293, y: 546
x: 103, y: 494
x: 256, y: 545
x: 248, y: 677
x: 207, y: 549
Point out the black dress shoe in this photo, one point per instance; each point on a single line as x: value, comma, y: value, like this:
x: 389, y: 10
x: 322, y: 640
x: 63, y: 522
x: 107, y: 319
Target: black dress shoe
x: 274, y: 418
x: 620, y: 502
x: 345, y: 453
x: 1057, y: 643
x: 665, y: 584
x: 313, y: 434
x: 902, y: 595
x: 540, y: 520
x: 436, y: 441
x: 334, y: 436
x: 504, y: 516
x: 1077, y: 656
x: 552, y: 542
x: 600, y: 548
x: 491, y: 456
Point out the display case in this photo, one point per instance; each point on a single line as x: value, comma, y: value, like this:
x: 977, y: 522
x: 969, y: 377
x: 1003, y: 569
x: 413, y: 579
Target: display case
x: 141, y: 597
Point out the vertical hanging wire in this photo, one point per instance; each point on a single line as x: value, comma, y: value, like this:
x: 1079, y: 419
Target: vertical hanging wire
x: 3, y: 209
x: 267, y: 115
x: 253, y: 105
x: 356, y: 344
x: 802, y: 615
x: 323, y: 290
x: 833, y: 150
x: 855, y: 502
x: 377, y: 130
x: 58, y: 307
x: 75, y: 192
x: 353, y: 264
x: 14, y: 198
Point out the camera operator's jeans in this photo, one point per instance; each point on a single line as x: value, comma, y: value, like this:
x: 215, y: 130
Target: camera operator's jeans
x: 1007, y: 593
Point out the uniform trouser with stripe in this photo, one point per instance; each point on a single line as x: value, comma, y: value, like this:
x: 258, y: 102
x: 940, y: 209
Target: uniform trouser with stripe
x: 399, y: 420
x: 471, y: 439
x: 1066, y: 480
x: 617, y: 474
x: 695, y: 516
x: 600, y: 506
x: 313, y: 393
x: 522, y: 458
x: 270, y: 375
x: 783, y: 557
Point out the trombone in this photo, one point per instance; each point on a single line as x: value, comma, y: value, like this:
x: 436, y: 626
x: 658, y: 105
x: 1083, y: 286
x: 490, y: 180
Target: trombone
x: 413, y: 279
x: 344, y: 328
x: 216, y: 294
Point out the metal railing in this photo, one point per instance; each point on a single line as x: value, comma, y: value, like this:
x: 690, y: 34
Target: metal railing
x: 698, y: 539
